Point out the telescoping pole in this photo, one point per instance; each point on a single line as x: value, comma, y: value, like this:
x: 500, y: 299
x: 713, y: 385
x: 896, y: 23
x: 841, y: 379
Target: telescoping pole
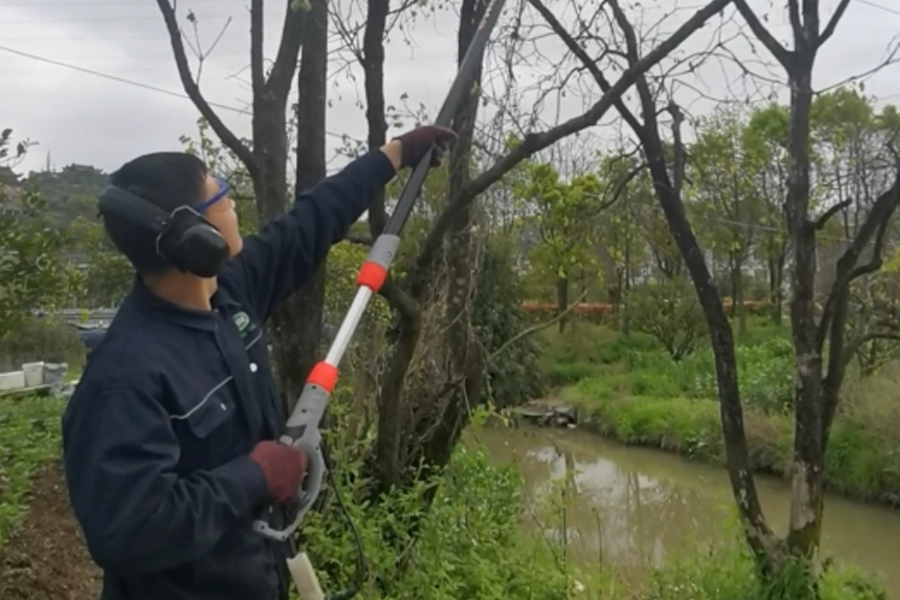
x: 302, y: 427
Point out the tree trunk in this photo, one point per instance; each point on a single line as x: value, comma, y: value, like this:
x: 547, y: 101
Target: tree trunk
x: 774, y: 290
x: 628, y: 274
x: 806, y: 477
x: 298, y: 322
x: 467, y: 361
x: 737, y: 295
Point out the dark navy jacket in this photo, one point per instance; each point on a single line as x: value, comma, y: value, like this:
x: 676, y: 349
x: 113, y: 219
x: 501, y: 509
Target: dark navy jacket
x: 157, y: 433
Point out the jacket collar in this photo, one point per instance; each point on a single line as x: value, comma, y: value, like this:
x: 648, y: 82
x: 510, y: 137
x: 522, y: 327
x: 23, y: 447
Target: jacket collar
x: 145, y: 300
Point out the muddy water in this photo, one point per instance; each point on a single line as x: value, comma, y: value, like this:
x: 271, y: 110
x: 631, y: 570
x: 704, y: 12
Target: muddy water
x: 632, y: 506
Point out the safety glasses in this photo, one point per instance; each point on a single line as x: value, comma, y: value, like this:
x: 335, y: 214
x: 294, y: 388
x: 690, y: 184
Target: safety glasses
x: 223, y: 191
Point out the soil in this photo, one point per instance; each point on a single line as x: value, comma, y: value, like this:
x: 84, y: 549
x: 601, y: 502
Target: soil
x: 46, y: 559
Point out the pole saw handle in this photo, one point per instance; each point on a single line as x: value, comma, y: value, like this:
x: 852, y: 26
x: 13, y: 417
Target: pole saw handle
x: 302, y: 432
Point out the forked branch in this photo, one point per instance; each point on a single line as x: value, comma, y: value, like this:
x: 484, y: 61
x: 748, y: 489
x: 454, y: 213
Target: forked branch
x: 240, y: 149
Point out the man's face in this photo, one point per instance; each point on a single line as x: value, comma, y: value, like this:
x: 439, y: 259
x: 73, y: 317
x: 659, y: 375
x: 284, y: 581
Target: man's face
x: 221, y: 213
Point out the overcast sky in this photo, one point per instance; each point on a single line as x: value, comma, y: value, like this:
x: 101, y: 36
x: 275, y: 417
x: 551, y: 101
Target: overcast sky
x: 80, y: 117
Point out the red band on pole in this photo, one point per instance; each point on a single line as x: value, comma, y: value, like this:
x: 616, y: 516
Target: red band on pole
x: 372, y: 275
x: 324, y: 375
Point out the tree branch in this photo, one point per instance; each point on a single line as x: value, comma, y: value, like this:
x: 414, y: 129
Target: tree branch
x: 193, y: 91
x: 586, y: 60
x: 832, y: 23
x: 854, y: 345
x: 833, y: 210
x: 794, y: 18
x: 536, y: 142
x: 847, y: 270
x: 834, y: 316
x: 282, y: 74
x: 257, y: 32
x: 781, y: 54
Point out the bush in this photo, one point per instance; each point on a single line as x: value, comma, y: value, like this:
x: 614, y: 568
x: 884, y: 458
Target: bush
x: 637, y: 365
x: 42, y: 339
x: 469, y: 545
x: 515, y: 375
x: 670, y: 312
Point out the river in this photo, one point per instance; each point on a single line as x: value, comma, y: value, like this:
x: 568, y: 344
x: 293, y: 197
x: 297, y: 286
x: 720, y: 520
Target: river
x: 632, y: 506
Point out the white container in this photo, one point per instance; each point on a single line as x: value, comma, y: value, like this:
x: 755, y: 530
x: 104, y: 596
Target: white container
x: 34, y: 374
x: 14, y: 380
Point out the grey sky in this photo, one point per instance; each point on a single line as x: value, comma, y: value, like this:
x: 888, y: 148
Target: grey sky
x: 79, y: 117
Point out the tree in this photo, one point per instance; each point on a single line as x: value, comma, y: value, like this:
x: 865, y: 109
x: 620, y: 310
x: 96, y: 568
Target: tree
x: 620, y: 231
x: 566, y: 213
x: 723, y: 195
x: 415, y: 425
x: 853, y: 161
x: 820, y: 371
x: 817, y: 389
x: 668, y: 311
x: 34, y: 274
x: 766, y: 135
x: 301, y: 320
x: 107, y: 274
x: 667, y: 177
x: 265, y: 159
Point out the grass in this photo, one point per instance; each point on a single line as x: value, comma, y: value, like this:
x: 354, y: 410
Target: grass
x: 729, y: 573
x: 634, y: 393
x: 29, y: 439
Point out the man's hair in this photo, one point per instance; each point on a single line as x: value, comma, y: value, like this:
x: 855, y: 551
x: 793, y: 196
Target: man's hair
x: 167, y: 180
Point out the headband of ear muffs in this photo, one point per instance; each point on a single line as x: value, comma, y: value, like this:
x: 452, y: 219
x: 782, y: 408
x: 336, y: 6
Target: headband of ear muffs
x: 183, y: 237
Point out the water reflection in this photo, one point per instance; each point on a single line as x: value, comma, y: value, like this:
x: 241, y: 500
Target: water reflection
x: 633, y: 506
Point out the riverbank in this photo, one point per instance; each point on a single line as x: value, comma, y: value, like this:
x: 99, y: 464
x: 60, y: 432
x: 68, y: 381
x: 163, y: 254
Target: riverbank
x: 634, y: 508
x: 484, y: 554
x: 630, y: 391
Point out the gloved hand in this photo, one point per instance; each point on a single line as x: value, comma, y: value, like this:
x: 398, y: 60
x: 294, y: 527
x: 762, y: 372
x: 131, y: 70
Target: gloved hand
x: 415, y: 144
x: 283, y: 466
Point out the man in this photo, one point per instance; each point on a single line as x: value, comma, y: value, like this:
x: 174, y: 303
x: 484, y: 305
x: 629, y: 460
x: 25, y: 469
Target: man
x: 168, y: 437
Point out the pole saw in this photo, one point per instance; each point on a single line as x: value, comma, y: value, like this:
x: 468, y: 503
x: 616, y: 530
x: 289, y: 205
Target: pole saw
x: 302, y: 427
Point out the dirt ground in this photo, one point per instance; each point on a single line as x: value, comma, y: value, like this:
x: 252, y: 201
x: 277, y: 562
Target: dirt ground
x: 46, y: 559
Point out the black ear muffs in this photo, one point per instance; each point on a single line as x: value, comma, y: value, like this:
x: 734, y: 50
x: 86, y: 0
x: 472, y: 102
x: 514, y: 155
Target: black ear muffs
x: 183, y: 237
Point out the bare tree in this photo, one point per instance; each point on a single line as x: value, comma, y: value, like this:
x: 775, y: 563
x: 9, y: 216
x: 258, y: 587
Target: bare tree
x: 301, y: 321
x: 427, y: 428
x: 818, y: 386
x: 666, y: 176
x: 296, y: 325
x: 819, y: 375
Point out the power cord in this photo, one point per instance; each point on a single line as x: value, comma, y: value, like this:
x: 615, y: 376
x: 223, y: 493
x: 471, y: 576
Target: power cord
x: 360, y: 575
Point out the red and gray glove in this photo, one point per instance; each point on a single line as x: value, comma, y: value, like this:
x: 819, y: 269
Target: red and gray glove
x: 415, y: 144
x: 283, y: 467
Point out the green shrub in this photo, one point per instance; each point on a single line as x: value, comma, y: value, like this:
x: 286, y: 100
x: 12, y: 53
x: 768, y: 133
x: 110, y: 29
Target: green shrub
x: 637, y: 365
x: 469, y: 545
x: 515, y: 375
x: 44, y: 339
x: 670, y: 312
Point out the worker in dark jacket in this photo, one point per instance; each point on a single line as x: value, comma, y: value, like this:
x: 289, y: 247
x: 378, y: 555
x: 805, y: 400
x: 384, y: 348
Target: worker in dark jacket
x: 168, y: 437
